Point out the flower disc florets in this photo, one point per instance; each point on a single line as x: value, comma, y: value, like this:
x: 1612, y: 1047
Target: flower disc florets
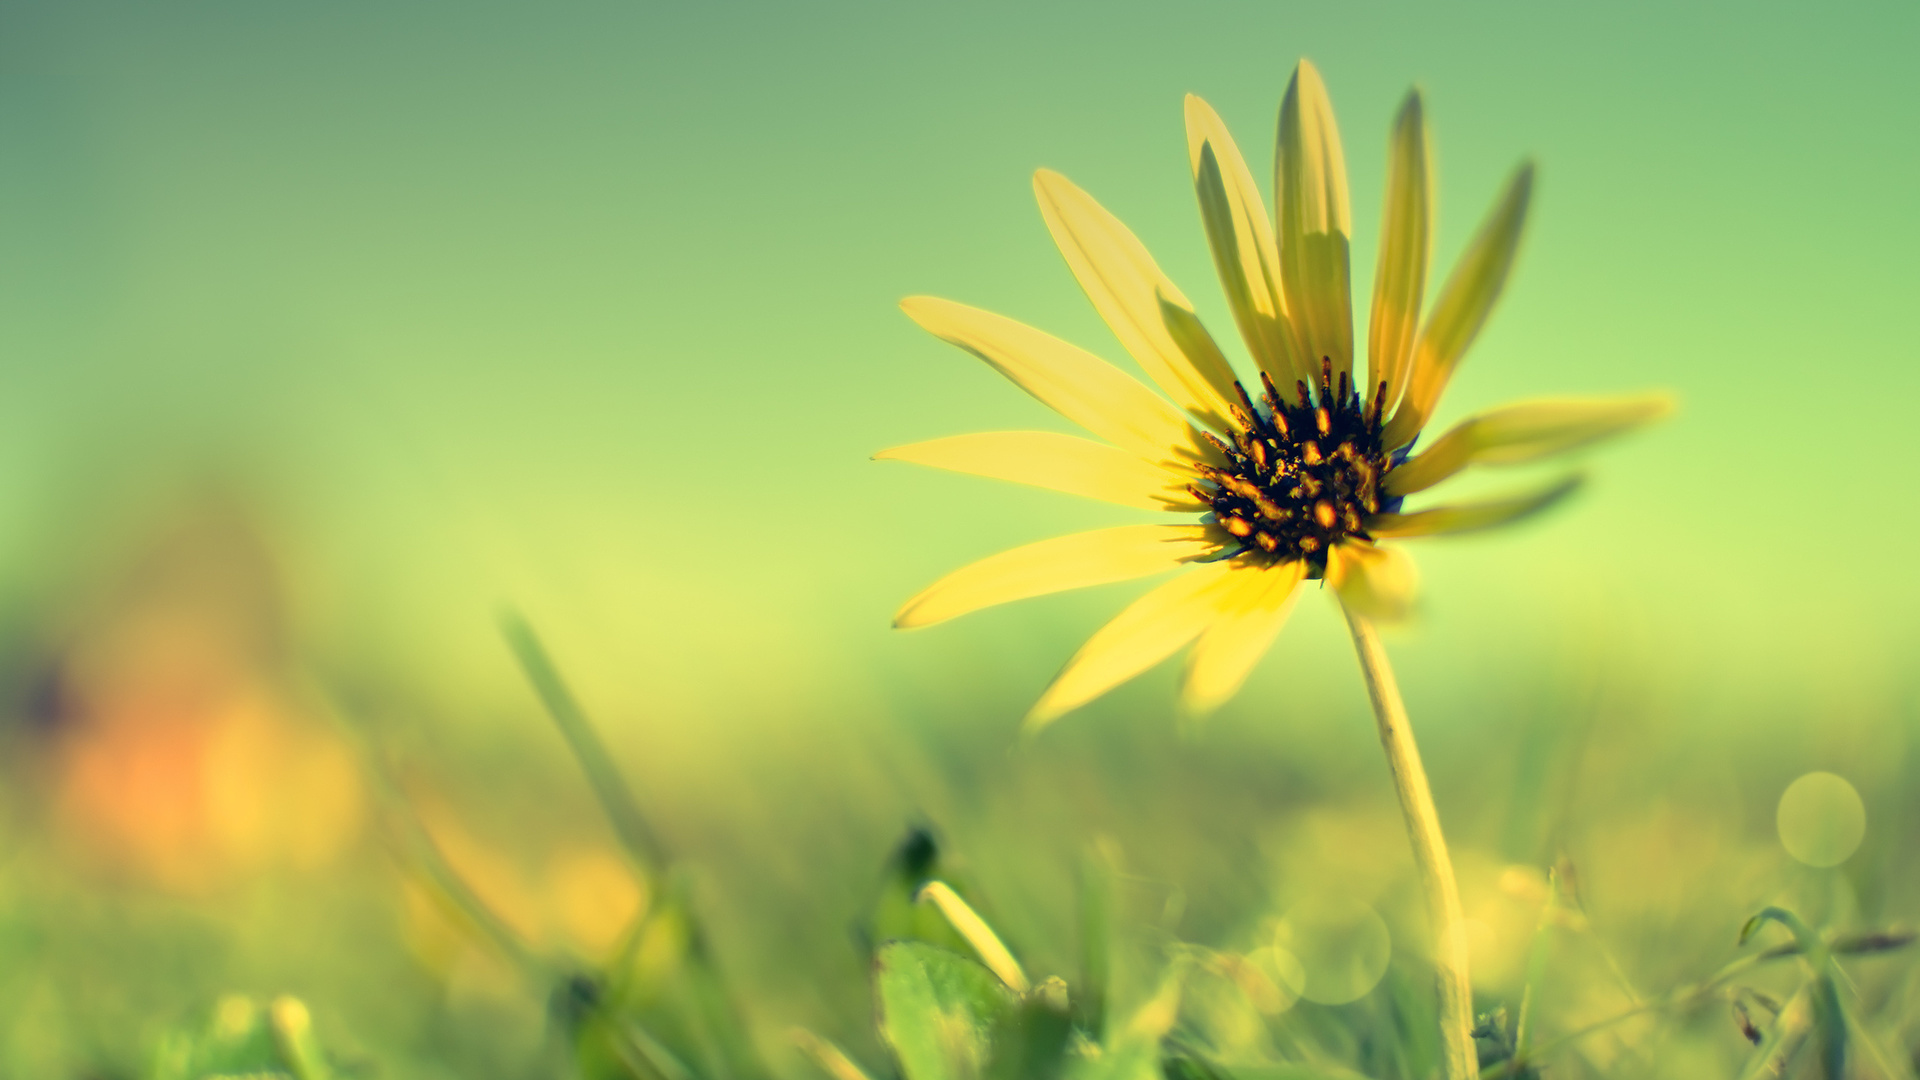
x: 1301, y: 476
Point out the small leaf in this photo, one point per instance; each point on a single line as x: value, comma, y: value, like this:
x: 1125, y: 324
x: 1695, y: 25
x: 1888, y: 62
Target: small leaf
x: 937, y: 1009
x: 1030, y: 1042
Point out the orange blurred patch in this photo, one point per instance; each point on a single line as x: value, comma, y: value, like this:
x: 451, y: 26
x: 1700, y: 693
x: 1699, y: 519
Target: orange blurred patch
x: 191, y: 799
x: 181, y: 759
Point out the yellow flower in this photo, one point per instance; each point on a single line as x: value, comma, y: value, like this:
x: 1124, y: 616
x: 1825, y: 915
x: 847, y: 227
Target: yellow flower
x: 1294, y: 476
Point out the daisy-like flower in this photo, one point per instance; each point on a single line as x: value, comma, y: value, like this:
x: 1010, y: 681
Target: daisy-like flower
x: 1297, y: 474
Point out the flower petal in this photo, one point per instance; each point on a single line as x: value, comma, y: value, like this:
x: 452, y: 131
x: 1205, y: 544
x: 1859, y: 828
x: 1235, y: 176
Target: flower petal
x: 1464, y: 303
x: 1405, y: 235
x: 1228, y: 650
x: 1077, y: 384
x: 1376, y: 582
x: 1151, y: 629
x: 1310, y: 185
x: 1241, y: 236
x: 1468, y: 517
x: 1067, y: 562
x: 1061, y: 462
x: 1128, y: 290
x: 1525, y: 432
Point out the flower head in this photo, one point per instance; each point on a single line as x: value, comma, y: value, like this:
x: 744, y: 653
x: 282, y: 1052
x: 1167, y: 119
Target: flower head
x: 1295, y: 474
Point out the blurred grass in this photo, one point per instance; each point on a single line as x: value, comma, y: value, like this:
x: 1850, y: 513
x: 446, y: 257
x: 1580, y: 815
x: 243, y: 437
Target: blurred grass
x: 122, y: 920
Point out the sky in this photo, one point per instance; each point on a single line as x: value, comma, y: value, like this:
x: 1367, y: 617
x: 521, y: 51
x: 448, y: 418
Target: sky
x: 590, y: 309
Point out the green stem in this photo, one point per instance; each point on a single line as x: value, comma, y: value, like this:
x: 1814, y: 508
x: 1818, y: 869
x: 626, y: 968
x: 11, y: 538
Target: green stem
x: 1429, y: 853
x: 1536, y: 973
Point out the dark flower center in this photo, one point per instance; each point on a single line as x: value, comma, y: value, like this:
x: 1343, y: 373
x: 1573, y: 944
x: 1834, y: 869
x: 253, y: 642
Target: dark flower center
x: 1301, y: 475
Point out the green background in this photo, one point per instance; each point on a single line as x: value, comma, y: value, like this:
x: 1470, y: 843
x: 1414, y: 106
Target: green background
x: 591, y: 307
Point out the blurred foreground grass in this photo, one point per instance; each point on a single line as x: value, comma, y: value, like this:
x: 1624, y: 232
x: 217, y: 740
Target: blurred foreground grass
x: 225, y: 855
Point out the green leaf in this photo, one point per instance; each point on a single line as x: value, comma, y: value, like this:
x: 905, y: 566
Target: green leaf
x: 937, y: 1010
x: 1031, y: 1041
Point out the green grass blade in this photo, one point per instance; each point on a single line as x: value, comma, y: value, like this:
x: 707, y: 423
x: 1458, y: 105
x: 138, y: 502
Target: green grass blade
x: 1783, y: 1038
x: 616, y: 798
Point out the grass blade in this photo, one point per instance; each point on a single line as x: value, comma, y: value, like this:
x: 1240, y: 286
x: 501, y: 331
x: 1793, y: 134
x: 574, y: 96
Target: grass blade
x: 616, y: 798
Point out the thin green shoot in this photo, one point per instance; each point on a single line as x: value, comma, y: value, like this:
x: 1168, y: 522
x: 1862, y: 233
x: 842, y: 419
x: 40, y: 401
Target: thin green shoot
x: 616, y: 798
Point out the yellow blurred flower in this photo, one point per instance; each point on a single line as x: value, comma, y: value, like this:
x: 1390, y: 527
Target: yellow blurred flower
x: 1296, y: 479
x: 580, y: 899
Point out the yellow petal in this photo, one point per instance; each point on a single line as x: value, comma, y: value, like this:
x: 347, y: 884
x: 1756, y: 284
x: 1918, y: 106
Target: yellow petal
x: 1067, y: 562
x: 1227, y: 651
x: 1310, y: 185
x: 1376, y: 582
x: 1077, y: 384
x: 1060, y: 462
x: 1151, y: 629
x: 1241, y: 236
x: 1128, y: 290
x: 1462, y: 308
x: 1522, y: 433
x: 1405, y: 233
x: 1184, y: 329
x: 1469, y: 517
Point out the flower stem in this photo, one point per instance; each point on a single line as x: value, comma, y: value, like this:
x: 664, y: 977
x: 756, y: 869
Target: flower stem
x: 1429, y: 853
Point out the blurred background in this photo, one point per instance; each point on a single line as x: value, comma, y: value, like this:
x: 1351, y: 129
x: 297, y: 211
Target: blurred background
x: 328, y: 330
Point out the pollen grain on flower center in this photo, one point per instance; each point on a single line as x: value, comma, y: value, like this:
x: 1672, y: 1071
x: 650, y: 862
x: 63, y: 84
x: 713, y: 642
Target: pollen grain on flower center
x: 1302, y: 475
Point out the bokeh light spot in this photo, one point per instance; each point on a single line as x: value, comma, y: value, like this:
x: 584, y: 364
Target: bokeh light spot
x: 1821, y: 819
x: 1340, y: 945
x: 1282, y: 972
